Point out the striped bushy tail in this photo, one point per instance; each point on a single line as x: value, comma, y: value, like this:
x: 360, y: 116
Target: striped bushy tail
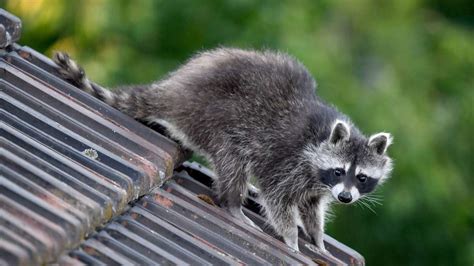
x: 131, y: 100
x: 73, y: 73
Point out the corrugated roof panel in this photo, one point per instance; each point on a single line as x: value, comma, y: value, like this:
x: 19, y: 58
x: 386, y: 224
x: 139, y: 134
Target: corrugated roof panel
x: 67, y: 167
x: 197, y: 180
x: 181, y: 220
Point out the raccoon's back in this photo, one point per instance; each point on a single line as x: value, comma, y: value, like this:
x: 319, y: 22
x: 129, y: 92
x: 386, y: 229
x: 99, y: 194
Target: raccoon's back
x: 246, y: 97
x: 247, y: 86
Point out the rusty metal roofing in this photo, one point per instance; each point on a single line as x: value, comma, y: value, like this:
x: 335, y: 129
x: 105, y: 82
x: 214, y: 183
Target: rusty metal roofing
x: 81, y: 182
x: 179, y: 223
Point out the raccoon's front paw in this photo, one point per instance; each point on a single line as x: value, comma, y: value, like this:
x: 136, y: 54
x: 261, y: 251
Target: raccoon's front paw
x: 318, y: 248
x: 292, y: 242
x: 68, y: 69
x: 237, y: 213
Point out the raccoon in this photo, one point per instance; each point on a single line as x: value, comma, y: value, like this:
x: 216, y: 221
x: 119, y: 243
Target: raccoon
x: 256, y: 113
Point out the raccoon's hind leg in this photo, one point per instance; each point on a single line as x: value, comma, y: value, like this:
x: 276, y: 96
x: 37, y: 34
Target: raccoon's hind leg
x: 74, y: 74
x: 281, y: 216
x: 231, y: 187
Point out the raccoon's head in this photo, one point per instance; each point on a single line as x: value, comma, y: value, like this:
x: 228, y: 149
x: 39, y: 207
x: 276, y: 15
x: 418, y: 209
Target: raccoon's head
x: 350, y: 165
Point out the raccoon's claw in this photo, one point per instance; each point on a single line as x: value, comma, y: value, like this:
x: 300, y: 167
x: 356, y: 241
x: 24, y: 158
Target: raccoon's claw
x: 292, y: 243
x: 239, y: 215
x: 318, y: 249
x: 68, y: 69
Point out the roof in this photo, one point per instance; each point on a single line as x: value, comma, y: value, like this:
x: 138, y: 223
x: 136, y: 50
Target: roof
x: 81, y: 182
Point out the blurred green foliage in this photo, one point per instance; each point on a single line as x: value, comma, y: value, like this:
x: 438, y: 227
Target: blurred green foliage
x: 406, y: 67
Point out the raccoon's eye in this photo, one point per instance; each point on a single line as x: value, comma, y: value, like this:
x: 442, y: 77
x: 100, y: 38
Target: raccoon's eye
x: 362, y: 178
x: 339, y: 172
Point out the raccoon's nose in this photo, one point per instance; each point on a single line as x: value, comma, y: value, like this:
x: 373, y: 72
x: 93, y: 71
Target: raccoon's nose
x: 345, y: 196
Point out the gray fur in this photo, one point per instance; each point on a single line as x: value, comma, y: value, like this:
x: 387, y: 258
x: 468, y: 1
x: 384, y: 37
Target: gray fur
x: 256, y: 114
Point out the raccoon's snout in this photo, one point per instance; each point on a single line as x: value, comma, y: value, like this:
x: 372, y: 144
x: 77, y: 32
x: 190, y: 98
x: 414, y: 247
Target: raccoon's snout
x: 345, y: 197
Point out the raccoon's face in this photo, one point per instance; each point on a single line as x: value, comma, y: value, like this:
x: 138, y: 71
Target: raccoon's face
x: 350, y: 166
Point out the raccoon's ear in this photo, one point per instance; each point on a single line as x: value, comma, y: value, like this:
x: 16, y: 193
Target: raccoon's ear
x: 340, y: 132
x: 379, y: 142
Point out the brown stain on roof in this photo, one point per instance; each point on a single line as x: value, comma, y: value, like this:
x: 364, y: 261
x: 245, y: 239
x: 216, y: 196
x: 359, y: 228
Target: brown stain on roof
x: 163, y: 201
